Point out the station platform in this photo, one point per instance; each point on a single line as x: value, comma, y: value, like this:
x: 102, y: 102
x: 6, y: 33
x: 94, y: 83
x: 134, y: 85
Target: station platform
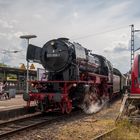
x: 12, y: 103
x: 14, y: 107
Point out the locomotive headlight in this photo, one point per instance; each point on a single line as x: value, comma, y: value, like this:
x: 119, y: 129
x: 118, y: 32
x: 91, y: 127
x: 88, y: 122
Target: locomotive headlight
x: 32, y: 85
x: 74, y: 85
x: 52, y: 43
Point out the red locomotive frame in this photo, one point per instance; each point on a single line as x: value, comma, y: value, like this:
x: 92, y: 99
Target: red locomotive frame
x: 65, y: 105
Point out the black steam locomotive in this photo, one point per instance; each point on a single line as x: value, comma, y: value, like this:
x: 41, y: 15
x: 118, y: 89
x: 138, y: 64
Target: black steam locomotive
x: 73, y: 73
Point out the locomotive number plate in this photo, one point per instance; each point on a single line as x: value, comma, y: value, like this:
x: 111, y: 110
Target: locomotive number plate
x: 53, y: 55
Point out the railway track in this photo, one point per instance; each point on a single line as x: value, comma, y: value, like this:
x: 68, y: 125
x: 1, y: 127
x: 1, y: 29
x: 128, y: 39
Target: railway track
x: 30, y: 122
x: 104, y: 135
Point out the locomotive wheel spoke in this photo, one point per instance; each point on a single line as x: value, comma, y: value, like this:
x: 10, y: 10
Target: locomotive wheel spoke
x: 68, y: 107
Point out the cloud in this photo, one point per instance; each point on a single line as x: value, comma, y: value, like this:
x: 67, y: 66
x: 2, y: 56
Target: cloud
x: 5, y: 24
x: 120, y: 60
x: 37, y: 16
x: 2, y: 35
x: 118, y: 47
x: 72, y: 19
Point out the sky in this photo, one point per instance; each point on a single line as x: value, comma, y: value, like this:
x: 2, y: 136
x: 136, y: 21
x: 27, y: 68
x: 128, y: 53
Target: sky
x: 102, y: 26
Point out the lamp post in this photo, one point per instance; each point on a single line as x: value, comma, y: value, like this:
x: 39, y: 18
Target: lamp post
x: 27, y: 37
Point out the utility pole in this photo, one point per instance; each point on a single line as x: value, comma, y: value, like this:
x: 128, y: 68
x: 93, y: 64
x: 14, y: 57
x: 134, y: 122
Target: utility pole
x: 132, y: 44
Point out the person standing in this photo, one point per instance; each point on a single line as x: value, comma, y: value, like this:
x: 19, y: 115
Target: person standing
x: 1, y: 87
x: 6, y: 94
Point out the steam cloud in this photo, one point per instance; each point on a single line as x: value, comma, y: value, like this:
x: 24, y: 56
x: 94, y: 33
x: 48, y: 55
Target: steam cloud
x: 92, y: 102
x: 93, y: 107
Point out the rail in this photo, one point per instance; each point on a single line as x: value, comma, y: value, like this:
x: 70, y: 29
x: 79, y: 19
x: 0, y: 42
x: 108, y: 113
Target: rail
x: 102, y: 136
x: 30, y: 122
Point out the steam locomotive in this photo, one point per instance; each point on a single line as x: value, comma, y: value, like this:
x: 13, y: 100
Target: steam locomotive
x: 75, y: 76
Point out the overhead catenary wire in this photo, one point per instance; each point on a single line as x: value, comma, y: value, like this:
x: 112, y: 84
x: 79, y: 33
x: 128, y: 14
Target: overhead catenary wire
x: 99, y: 33
x: 10, y: 51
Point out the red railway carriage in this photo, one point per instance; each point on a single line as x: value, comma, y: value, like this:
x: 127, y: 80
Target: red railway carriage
x: 134, y: 97
x: 135, y: 76
x: 131, y: 101
x: 75, y: 76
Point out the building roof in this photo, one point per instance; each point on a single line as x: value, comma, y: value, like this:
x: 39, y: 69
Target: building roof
x: 17, y: 70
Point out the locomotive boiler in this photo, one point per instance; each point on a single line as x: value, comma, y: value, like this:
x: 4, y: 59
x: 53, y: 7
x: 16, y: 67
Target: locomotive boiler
x: 74, y: 73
